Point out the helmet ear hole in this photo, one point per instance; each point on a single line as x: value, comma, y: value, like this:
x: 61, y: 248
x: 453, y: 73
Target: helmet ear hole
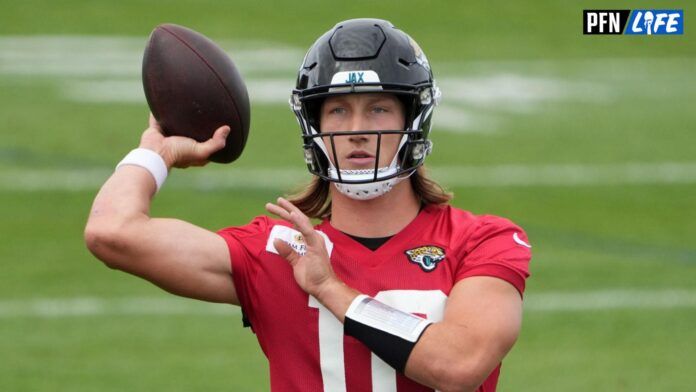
x: 303, y: 79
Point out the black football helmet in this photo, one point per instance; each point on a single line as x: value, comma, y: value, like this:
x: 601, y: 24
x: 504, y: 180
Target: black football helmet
x: 365, y: 55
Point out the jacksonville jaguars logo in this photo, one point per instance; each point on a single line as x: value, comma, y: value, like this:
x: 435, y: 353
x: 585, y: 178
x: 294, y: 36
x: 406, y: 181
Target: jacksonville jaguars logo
x: 420, y: 56
x: 426, y: 257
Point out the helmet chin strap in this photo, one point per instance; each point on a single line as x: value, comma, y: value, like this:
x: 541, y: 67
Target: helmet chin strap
x: 370, y: 190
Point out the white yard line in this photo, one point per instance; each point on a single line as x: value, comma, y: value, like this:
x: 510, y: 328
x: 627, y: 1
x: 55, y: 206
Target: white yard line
x: 569, y: 174
x: 117, y: 56
x: 658, y: 173
x: 534, y: 302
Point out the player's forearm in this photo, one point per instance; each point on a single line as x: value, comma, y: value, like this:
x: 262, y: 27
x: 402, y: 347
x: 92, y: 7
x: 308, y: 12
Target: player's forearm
x: 122, y: 202
x: 450, y: 358
x: 126, y: 194
x: 336, y: 296
x: 480, y: 325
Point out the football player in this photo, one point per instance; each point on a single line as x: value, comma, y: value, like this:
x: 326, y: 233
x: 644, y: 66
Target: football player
x: 394, y: 290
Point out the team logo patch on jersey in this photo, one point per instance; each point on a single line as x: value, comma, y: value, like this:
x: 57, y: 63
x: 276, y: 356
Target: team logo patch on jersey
x: 426, y: 257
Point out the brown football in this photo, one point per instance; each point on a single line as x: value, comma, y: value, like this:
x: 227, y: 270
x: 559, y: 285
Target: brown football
x: 193, y: 88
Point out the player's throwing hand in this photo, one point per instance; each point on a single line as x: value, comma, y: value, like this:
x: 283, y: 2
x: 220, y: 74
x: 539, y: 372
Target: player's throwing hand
x: 179, y: 151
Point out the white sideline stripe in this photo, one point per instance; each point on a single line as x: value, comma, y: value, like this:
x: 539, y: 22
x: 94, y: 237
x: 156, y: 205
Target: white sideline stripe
x: 452, y: 176
x: 610, y: 299
x: 569, y: 175
x: 91, y: 306
x: 266, y: 91
x: 535, y: 302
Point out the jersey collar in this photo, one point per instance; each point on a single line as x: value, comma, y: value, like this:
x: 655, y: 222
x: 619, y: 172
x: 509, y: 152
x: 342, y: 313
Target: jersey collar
x: 416, y: 226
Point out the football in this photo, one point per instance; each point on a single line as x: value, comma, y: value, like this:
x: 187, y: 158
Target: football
x: 192, y: 88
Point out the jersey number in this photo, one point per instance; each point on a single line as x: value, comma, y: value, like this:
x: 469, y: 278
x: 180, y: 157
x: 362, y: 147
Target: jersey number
x: 430, y: 303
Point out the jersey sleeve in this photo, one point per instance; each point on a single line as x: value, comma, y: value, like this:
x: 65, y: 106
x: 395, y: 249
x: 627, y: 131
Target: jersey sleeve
x: 245, y: 244
x: 498, y: 248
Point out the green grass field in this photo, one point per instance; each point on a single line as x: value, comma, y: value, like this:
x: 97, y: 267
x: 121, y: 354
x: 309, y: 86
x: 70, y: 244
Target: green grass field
x: 588, y: 142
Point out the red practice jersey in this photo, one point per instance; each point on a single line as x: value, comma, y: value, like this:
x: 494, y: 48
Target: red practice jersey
x: 414, y: 271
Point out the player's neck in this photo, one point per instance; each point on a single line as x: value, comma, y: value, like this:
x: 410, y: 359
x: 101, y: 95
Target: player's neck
x: 380, y: 217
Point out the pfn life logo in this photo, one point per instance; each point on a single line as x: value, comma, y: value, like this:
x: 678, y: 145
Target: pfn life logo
x: 633, y: 22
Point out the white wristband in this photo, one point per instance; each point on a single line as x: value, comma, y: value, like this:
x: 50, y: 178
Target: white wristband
x: 148, y: 160
x: 373, y: 313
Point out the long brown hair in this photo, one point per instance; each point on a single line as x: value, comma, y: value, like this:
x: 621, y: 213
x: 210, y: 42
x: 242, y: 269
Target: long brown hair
x: 314, y: 199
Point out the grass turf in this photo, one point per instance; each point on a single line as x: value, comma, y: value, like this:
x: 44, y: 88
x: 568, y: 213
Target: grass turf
x: 585, y: 238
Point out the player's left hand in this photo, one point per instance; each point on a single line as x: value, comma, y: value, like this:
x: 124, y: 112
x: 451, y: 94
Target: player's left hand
x: 312, y: 270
